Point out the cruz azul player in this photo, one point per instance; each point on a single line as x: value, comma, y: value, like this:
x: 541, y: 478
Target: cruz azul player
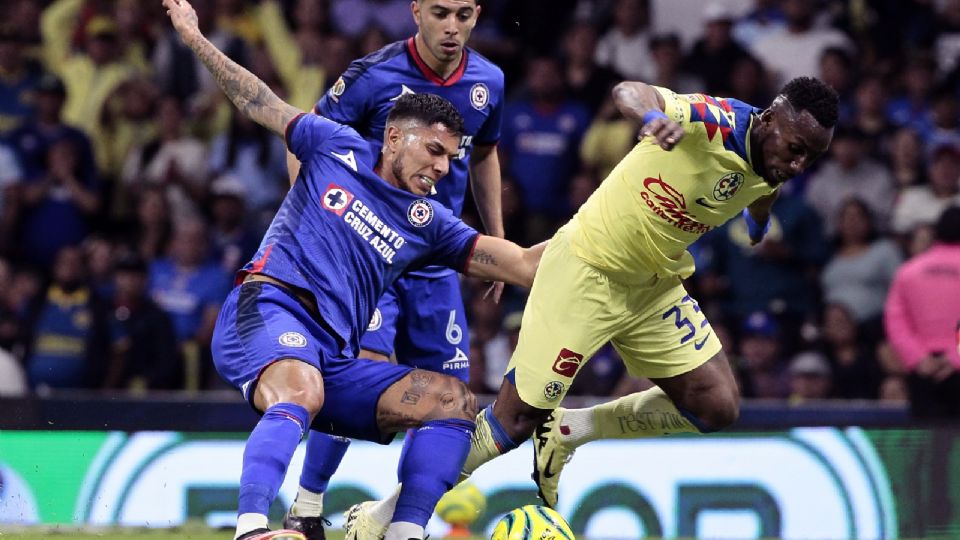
x: 287, y: 337
x: 421, y: 318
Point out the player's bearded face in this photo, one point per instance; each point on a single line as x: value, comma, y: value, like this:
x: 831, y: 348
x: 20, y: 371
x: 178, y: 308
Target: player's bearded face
x: 422, y: 158
x: 445, y: 25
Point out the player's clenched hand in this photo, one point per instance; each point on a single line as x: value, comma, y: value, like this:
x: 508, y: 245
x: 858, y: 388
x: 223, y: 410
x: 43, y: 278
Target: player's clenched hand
x: 183, y: 17
x: 666, y: 132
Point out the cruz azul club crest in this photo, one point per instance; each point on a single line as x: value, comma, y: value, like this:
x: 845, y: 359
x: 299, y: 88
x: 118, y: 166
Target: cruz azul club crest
x: 420, y: 213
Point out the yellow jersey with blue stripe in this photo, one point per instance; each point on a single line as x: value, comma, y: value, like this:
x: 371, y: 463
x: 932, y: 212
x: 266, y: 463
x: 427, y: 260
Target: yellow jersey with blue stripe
x: 656, y: 203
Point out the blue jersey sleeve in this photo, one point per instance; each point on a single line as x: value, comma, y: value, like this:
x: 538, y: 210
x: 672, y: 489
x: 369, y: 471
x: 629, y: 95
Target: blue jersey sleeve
x: 454, y: 241
x: 347, y: 101
x: 307, y: 133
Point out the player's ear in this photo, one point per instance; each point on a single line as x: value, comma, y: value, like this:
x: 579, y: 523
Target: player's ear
x: 415, y: 11
x: 392, y: 137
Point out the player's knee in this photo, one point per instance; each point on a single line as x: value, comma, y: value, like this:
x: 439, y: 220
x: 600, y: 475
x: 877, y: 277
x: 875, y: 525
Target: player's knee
x: 722, y: 410
x: 290, y: 381
x: 454, y: 400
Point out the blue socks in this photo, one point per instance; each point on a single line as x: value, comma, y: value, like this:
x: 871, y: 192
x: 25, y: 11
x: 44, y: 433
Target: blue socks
x: 267, y: 454
x: 431, y: 466
x: 324, y: 454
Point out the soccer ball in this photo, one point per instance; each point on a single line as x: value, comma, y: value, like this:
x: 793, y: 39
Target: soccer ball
x: 462, y: 505
x: 532, y: 523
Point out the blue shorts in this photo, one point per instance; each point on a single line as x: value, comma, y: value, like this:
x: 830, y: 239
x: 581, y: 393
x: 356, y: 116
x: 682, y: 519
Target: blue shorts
x: 423, y: 320
x: 261, y: 323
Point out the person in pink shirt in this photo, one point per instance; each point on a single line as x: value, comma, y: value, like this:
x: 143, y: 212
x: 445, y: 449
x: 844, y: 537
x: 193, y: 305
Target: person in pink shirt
x: 921, y: 316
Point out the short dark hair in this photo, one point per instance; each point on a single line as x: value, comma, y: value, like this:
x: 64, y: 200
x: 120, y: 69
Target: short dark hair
x: 947, y: 229
x: 428, y: 109
x: 814, y: 96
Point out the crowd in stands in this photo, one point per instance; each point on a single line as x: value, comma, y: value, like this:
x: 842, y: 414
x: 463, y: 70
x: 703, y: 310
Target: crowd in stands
x: 130, y: 191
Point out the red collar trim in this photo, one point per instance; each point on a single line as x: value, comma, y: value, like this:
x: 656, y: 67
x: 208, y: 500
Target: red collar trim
x: 432, y: 75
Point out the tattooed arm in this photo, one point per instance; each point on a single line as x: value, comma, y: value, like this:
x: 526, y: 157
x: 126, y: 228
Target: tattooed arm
x: 497, y: 259
x: 251, y: 95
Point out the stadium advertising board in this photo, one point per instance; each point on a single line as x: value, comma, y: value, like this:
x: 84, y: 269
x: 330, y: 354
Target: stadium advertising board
x: 810, y: 483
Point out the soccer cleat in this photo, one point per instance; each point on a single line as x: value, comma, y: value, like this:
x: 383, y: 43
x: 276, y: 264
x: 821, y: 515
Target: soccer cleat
x: 549, y: 457
x: 360, y: 525
x: 312, y: 527
x: 267, y: 534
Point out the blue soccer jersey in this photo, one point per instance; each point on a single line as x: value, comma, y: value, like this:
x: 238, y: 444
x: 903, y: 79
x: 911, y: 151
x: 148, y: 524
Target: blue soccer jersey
x: 363, y: 96
x: 345, y: 234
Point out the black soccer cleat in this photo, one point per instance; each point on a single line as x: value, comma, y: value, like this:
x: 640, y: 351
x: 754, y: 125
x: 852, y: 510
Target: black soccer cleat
x: 311, y: 526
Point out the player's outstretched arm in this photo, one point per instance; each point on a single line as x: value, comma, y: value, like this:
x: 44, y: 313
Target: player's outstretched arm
x: 251, y: 95
x: 640, y: 102
x: 757, y: 215
x: 496, y: 259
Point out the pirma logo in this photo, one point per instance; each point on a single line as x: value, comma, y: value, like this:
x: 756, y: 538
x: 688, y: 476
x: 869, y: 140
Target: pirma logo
x: 420, y: 213
x: 293, y: 339
x: 567, y: 363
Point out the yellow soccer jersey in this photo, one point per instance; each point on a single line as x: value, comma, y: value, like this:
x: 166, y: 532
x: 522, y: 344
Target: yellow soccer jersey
x: 655, y: 203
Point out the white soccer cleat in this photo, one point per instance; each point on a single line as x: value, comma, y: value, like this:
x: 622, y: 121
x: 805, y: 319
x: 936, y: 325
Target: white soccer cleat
x: 549, y: 457
x: 360, y: 525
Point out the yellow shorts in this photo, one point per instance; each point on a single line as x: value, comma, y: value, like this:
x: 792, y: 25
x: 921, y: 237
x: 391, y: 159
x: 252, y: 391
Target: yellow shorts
x: 574, y: 309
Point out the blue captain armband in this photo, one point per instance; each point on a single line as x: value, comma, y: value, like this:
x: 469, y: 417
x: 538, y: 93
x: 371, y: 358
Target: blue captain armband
x: 754, y: 229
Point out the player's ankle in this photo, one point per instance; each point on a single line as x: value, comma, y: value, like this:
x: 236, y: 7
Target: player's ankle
x: 307, y: 503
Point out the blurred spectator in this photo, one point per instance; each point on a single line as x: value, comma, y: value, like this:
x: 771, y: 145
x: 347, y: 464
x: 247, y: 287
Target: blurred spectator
x: 625, y: 47
x: 912, y: 106
x: 947, y: 45
x: 59, y: 206
x: 713, y: 55
x: 588, y: 82
x: 257, y: 158
x: 668, y: 65
x: 921, y: 319
x: 154, y: 225
x: 144, y: 353
x: 607, y: 141
x: 297, y: 55
x: 181, y: 74
x: 127, y: 120
x: 795, y: 49
x: 764, y: 18
x: 11, y: 176
x: 942, y: 125
x: 907, y: 163
x: 760, y: 368
x: 863, y: 264
x: 90, y: 75
x: 187, y: 285
x: 373, y: 39
x: 13, y: 379
x: 134, y: 36
x: 233, y: 242
x: 69, y: 336
x: 922, y: 205
x: 541, y: 135
x: 352, y: 17
x: 838, y: 71
x: 749, y: 81
x: 869, y: 115
x: 776, y: 275
x: 98, y: 252
x: 848, y: 172
x: 857, y: 373
x: 173, y: 160
x: 810, y: 377
x: 34, y: 138
x: 18, y: 79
